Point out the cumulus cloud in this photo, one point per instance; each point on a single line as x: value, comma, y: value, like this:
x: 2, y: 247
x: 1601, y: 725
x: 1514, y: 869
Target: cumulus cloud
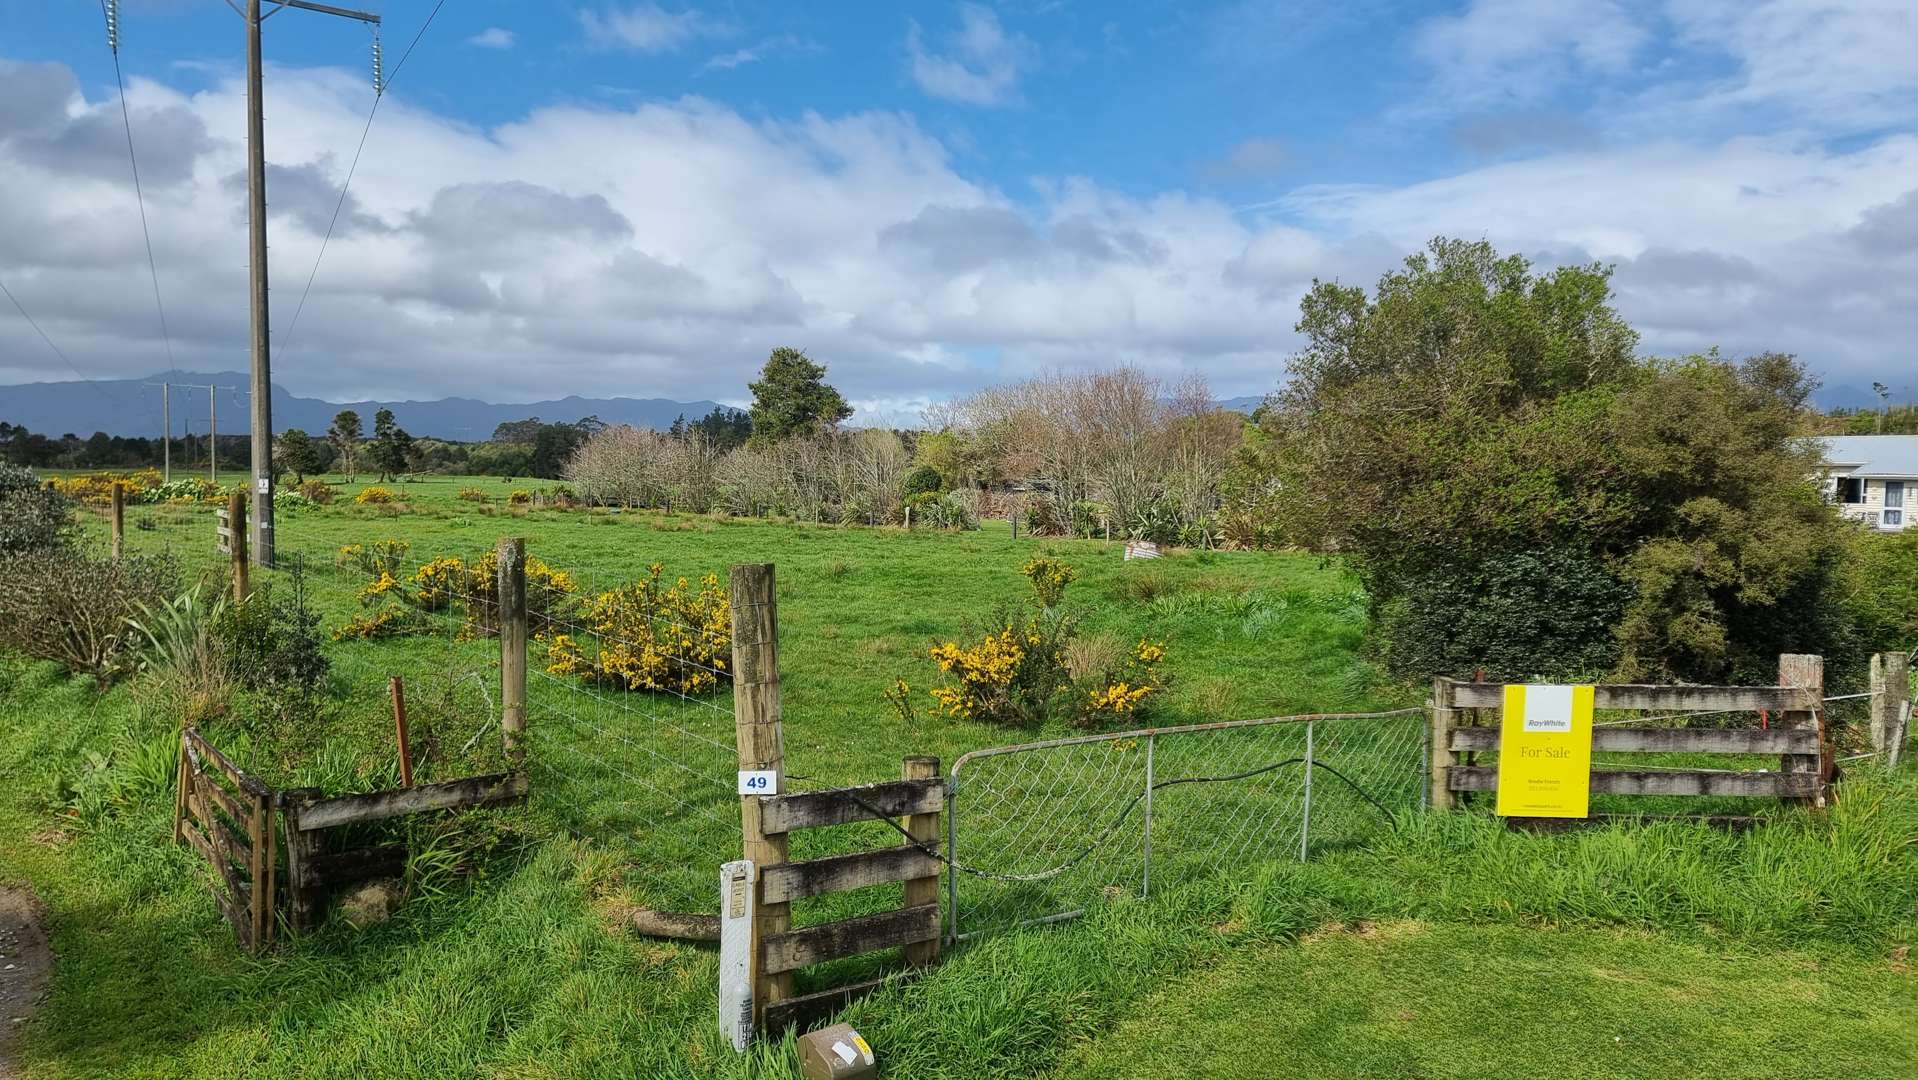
x: 662, y: 249
x: 649, y: 27
x: 1498, y: 49
x: 983, y: 65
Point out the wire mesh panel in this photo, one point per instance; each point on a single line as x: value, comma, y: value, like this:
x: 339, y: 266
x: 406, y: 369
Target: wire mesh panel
x: 1039, y: 831
x: 648, y: 776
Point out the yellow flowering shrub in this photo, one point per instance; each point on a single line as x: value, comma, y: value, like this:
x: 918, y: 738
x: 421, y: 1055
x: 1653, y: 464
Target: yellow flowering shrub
x: 380, y: 557
x: 1027, y: 667
x: 96, y: 488
x: 384, y: 623
x: 650, y: 636
x: 375, y: 496
x: 473, y: 494
x: 1049, y: 577
x: 519, y: 497
x: 450, y: 581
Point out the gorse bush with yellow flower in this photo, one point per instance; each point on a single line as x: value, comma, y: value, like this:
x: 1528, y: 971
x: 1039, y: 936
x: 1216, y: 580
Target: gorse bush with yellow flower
x: 96, y: 489
x: 1049, y: 577
x: 375, y: 496
x: 650, y: 636
x: 447, y: 583
x: 1030, y: 666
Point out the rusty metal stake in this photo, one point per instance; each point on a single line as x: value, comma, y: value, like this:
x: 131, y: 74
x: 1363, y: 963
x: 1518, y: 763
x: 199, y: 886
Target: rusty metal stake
x: 399, y: 722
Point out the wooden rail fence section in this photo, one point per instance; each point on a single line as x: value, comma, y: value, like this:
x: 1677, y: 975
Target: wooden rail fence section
x: 917, y: 800
x: 312, y: 871
x: 226, y: 815
x: 1796, y: 733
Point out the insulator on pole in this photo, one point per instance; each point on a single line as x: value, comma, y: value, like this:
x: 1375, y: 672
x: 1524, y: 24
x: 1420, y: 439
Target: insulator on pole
x: 379, y: 77
x: 113, y: 24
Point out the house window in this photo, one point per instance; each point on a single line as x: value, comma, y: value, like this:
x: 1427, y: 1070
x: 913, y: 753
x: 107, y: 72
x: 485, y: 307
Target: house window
x: 1894, y: 516
x: 1851, y: 490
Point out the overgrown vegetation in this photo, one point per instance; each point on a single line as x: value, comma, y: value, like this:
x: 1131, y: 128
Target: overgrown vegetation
x: 1517, y: 489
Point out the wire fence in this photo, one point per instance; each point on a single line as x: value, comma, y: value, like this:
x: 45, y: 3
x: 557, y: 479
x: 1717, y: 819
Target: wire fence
x: 1038, y: 831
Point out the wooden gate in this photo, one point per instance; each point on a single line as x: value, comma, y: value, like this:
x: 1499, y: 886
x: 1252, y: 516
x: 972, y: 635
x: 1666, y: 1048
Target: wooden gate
x: 226, y: 815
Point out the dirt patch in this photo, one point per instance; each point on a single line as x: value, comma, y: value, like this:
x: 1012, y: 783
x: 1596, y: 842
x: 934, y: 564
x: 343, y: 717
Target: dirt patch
x: 25, y: 964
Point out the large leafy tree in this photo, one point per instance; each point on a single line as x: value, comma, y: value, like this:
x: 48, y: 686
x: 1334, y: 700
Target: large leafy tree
x: 391, y: 448
x: 345, y: 437
x: 302, y: 454
x: 1520, y: 493
x: 792, y: 397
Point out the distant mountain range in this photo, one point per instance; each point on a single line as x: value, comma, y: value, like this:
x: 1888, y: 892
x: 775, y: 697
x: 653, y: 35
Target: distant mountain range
x: 130, y: 407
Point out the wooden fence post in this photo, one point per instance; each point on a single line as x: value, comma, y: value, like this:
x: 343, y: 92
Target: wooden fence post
x: 236, y: 522
x: 1444, y: 717
x: 301, y: 849
x: 512, y: 648
x: 1806, y: 673
x: 119, y: 505
x: 1890, y: 704
x: 923, y: 828
x: 761, y: 742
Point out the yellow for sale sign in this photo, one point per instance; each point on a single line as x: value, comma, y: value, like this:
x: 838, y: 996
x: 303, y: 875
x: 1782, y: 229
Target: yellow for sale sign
x: 1545, y: 752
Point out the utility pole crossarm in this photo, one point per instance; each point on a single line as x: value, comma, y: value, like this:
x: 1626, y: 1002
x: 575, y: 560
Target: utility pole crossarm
x: 328, y: 9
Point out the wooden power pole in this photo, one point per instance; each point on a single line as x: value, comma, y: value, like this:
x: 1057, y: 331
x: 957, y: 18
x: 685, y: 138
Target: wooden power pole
x: 262, y: 381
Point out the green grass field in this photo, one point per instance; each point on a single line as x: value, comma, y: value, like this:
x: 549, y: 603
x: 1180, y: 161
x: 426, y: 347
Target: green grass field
x: 1447, y: 948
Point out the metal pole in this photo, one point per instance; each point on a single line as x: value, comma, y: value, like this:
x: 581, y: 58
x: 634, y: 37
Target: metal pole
x: 952, y: 857
x: 262, y: 524
x: 1145, y: 884
x: 1305, y: 819
x: 212, y: 435
x: 166, y: 439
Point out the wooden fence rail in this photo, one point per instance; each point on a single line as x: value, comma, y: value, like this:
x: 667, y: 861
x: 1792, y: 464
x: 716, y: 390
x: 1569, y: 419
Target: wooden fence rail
x: 1793, y: 711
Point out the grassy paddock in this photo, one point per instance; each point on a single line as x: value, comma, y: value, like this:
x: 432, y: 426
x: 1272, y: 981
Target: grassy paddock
x: 520, y: 971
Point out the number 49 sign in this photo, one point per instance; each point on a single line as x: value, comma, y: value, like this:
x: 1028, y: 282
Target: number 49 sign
x: 758, y: 781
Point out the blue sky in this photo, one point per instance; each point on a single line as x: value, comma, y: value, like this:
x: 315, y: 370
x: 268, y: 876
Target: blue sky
x: 644, y: 198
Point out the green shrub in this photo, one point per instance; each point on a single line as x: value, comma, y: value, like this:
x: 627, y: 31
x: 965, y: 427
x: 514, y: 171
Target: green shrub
x: 1548, y: 613
x: 319, y: 492
x: 922, y: 480
x: 61, y: 605
x: 272, y: 644
x: 32, y: 517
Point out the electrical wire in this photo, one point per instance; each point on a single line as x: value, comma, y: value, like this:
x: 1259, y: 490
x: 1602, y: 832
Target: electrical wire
x: 43, y: 337
x: 379, y: 95
x: 139, y: 196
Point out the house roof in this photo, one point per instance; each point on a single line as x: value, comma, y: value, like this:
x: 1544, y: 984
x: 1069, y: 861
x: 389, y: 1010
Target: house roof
x: 1872, y: 456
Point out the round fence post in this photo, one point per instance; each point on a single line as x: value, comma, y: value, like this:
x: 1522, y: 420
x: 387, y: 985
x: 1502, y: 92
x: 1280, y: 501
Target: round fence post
x: 512, y: 648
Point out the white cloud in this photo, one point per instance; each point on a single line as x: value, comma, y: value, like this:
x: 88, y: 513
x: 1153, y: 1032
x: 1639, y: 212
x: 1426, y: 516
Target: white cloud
x: 1518, y: 49
x: 663, y: 249
x: 1256, y: 158
x: 494, y: 37
x: 650, y: 28
x: 753, y: 54
x: 983, y: 66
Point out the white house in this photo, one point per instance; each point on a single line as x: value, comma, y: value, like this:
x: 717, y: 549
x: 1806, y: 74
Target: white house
x: 1872, y: 478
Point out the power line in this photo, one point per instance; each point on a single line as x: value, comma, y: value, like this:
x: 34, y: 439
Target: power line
x: 43, y: 337
x: 380, y: 84
x: 110, y: 10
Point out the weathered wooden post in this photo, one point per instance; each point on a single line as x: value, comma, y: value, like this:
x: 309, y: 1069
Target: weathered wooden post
x: 512, y: 648
x: 119, y: 505
x: 1806, y: 673
x: 1890, y: 704
x: 236, y: 523
x: 924, y: 829
x: 1444, y: 717
x: 761, y: 742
